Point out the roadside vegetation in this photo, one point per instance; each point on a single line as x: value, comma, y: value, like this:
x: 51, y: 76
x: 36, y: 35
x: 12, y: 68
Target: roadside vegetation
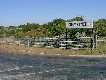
x: 50, y: 29
x: 57, y: 28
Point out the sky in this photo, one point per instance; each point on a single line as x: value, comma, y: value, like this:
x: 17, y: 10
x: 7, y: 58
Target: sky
x: 15, y: 12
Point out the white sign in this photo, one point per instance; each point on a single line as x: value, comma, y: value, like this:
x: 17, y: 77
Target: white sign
x: 79, y: 24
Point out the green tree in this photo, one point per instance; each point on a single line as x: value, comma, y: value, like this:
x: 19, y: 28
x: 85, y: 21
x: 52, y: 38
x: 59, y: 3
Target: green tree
x: 1, y: 31
x: 100, y: 27
x: 77, y: 18
x: 19, y: 33
x: 57, y: 27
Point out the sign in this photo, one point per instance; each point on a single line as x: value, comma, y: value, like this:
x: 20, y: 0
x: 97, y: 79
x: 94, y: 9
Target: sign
x: 79, y: 24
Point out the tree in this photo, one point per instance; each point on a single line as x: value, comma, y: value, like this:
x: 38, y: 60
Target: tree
x: 19, y: 33
x: 77, y: 18
x: 1, y: 27
x: 100, y: 27
x: 1, y: 31
x: 57, y: 27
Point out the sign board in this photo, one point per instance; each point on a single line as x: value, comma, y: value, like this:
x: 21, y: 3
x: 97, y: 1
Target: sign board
x: 79, y: 24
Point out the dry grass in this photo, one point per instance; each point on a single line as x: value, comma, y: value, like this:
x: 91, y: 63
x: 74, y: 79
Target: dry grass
x: 7, y: 48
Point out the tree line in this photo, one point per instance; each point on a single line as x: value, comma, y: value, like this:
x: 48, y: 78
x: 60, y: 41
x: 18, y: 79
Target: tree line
x: 50, y: 29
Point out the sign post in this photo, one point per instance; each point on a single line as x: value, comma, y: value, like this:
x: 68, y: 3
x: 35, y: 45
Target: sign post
x: 66, y: 39
x: 82, y: 25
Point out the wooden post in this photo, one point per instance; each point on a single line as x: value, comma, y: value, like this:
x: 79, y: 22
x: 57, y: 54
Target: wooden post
x: 19, y: 42
x: 66, y: 39
x: 28, y: 43
x: 94, y: 39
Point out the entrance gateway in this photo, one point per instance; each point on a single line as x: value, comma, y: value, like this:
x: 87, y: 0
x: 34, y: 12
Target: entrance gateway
x: 82, y: 25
